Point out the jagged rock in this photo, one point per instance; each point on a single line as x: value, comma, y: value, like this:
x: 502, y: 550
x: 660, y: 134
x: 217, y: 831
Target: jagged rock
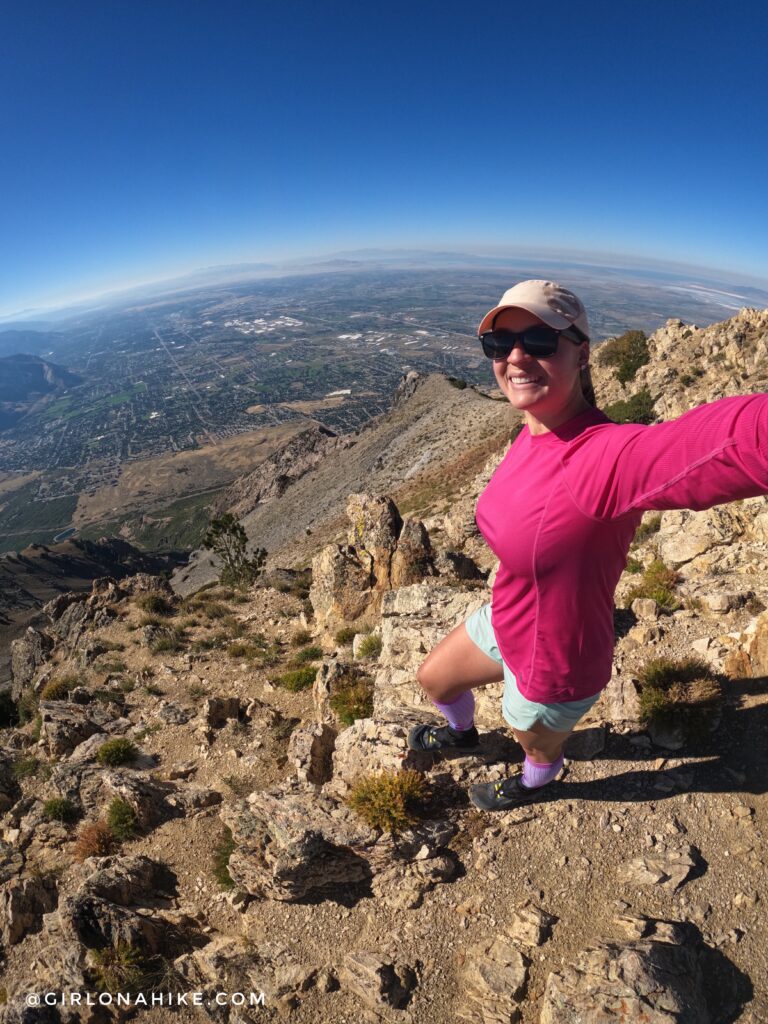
x: 402, y: 886
x: 378, y: 982
x: 331, y: 676
x: 309, y: 750
x: 685, y: 535
x: 493, y: 980
x: 217, y: 711
x: 531, y: 925
x: 11, y: 862
x: 173, y: 714
x: 412, y: 558
x: 622, y: 700
x: 662, y: 865
x: 290, y: 843
x: 28, y: 653
x: 65, y: 724
x: 341, y: 584
x: 71, y: 613
x: 87, y: 750
x: 372, y: 745
x: 657, y: 982
x: 666, y: 735
x: 148, y: 797
x: 414, y: 620
x: 458, y: 566
x: 645, y: 608
x: 189, y: 799
x: 382, y: 552
x: 584, y: 744
x: 126, y: 880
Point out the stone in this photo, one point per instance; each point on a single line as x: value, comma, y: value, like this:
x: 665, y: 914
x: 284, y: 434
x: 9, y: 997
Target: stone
x: 656, y: 982
x: 622, y: 700
x: 663, y: 865
x: 378, y: 981
x: 64, y: 725
x: 412, y: 559
x: 493, y: 979
x: 530, y: 925
x: 217, y: 711
x: 645, y: 608
x: 9, y: 787
x: 310, y: 750
x: 28, y: 653
x: 584, y: 744
x: 23, y: 901
x: 685, y: 534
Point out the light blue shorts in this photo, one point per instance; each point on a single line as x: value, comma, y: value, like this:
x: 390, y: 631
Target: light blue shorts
x: 520, y: 712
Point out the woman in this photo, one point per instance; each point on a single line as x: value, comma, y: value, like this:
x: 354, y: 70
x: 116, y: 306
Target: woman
x: 560, y: 513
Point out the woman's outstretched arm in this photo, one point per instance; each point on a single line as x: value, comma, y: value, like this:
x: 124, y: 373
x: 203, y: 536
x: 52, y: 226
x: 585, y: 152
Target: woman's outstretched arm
x: 712, y: 454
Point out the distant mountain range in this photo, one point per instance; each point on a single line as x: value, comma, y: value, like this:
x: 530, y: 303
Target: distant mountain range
x: 24, y: 380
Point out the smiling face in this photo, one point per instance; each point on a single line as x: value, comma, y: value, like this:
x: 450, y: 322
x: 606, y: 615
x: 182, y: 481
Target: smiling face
x: 546, y: 389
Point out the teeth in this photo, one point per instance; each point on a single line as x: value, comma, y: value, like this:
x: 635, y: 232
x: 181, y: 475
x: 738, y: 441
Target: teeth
x: 524, y: 380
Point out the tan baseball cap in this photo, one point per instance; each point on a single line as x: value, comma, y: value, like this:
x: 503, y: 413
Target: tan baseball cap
x: 550, y: 302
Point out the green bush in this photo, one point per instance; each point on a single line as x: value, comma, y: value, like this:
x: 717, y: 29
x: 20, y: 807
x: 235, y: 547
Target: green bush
x: 155, y: 604
x: 59, y: 689
x: 680, y: 693
x: 297, y: 679
x: 227, y: 538
x: 121, y: 819
x: 345, y: 636
x: 658, y: 582
x: 25, y: 767
x: 301, y: 638
x: 307, y: 654
x: 628, y: 352
x: 169, y: 641
x: 370, y: 647
x: 390, y: 801
x: 26, y: 706
x: 221, y: 854
x: 117, y: 751
x: 637, y: 409
x: 647, y: 528
x: 633, y: 566
x: 59, y: 809
x: 119, y: 968
x: 352, y: 697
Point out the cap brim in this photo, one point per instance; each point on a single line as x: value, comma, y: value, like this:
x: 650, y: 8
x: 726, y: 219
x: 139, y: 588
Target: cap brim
x: 544, y: 313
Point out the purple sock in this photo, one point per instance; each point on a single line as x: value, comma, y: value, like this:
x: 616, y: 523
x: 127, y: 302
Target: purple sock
x: 535, y: 775
x: 460, y: 712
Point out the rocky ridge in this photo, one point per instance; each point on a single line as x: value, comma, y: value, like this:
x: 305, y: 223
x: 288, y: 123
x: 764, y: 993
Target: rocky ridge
x: 633, y: 893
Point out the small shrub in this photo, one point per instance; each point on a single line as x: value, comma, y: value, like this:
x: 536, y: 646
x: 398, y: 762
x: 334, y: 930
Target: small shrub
x: 26, y: 706
x: 352, y: 698
x: 686, y: 380
x: 628, y: 352
x: 297, y: 679
x: 658, y: 583
x: 169, y: 642
x: 307, y: 654
x: 59, y: 689
x: 152, y: 620
x: 221, y: 854
x: 59, y: 809
x: 153, y: 690
x: 694, y: 604
x: 213, y: 610
x: 117, y: 751
x: 121, y: 819
x: 227, y: 538
x: 370, y: 647
x: 647, y: 528
x: 25, y: 767
x: 681, y: 693
x: 114, y: 667
x: 119, y: 968
x: 637, y: 409
x: 126, y: 684
x: 37, y: 728
x: 283, y: 728
x: 754, y: 605
x: 345, y: 636
x: 633, y: 565
x: 389, y: 801
x: 301, y: 638
x: 155, y: 604
x: 197, y: 690
x: 95, y: 840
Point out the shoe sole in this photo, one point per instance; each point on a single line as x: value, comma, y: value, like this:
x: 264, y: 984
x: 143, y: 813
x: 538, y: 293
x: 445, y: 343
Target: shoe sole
x: 509, y: 807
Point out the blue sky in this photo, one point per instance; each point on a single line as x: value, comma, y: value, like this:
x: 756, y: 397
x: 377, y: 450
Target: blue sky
x: 142, y: 139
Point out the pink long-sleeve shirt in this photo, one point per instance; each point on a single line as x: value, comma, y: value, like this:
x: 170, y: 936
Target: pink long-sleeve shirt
x: 560, y: 513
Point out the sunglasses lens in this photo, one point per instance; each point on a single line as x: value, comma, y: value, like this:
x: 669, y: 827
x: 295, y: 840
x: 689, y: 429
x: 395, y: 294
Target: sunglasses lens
x: 537, y: 341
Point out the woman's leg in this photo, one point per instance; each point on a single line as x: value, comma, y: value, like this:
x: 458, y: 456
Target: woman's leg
x: 456, y: 665
x: 541, y: 745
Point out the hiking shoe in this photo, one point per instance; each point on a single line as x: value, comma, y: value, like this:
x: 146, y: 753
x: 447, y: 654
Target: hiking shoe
x: 430, y: 738
x: 501, y: 796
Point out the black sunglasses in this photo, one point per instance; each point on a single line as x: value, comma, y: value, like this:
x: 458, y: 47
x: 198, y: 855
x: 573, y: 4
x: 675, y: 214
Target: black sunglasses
x: 536, y: 341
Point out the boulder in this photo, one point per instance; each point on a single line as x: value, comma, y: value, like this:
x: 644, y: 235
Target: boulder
x: 655, y: 980
x: 28, y: 653
x: 310, y: 749
x: 493, y: 978
x: 377, y: 981
x: 663, y: 865
x: 65, y: 724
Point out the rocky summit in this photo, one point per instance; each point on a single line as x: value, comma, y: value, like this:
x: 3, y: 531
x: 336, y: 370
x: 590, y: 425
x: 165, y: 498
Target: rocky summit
x: 208, y: 789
